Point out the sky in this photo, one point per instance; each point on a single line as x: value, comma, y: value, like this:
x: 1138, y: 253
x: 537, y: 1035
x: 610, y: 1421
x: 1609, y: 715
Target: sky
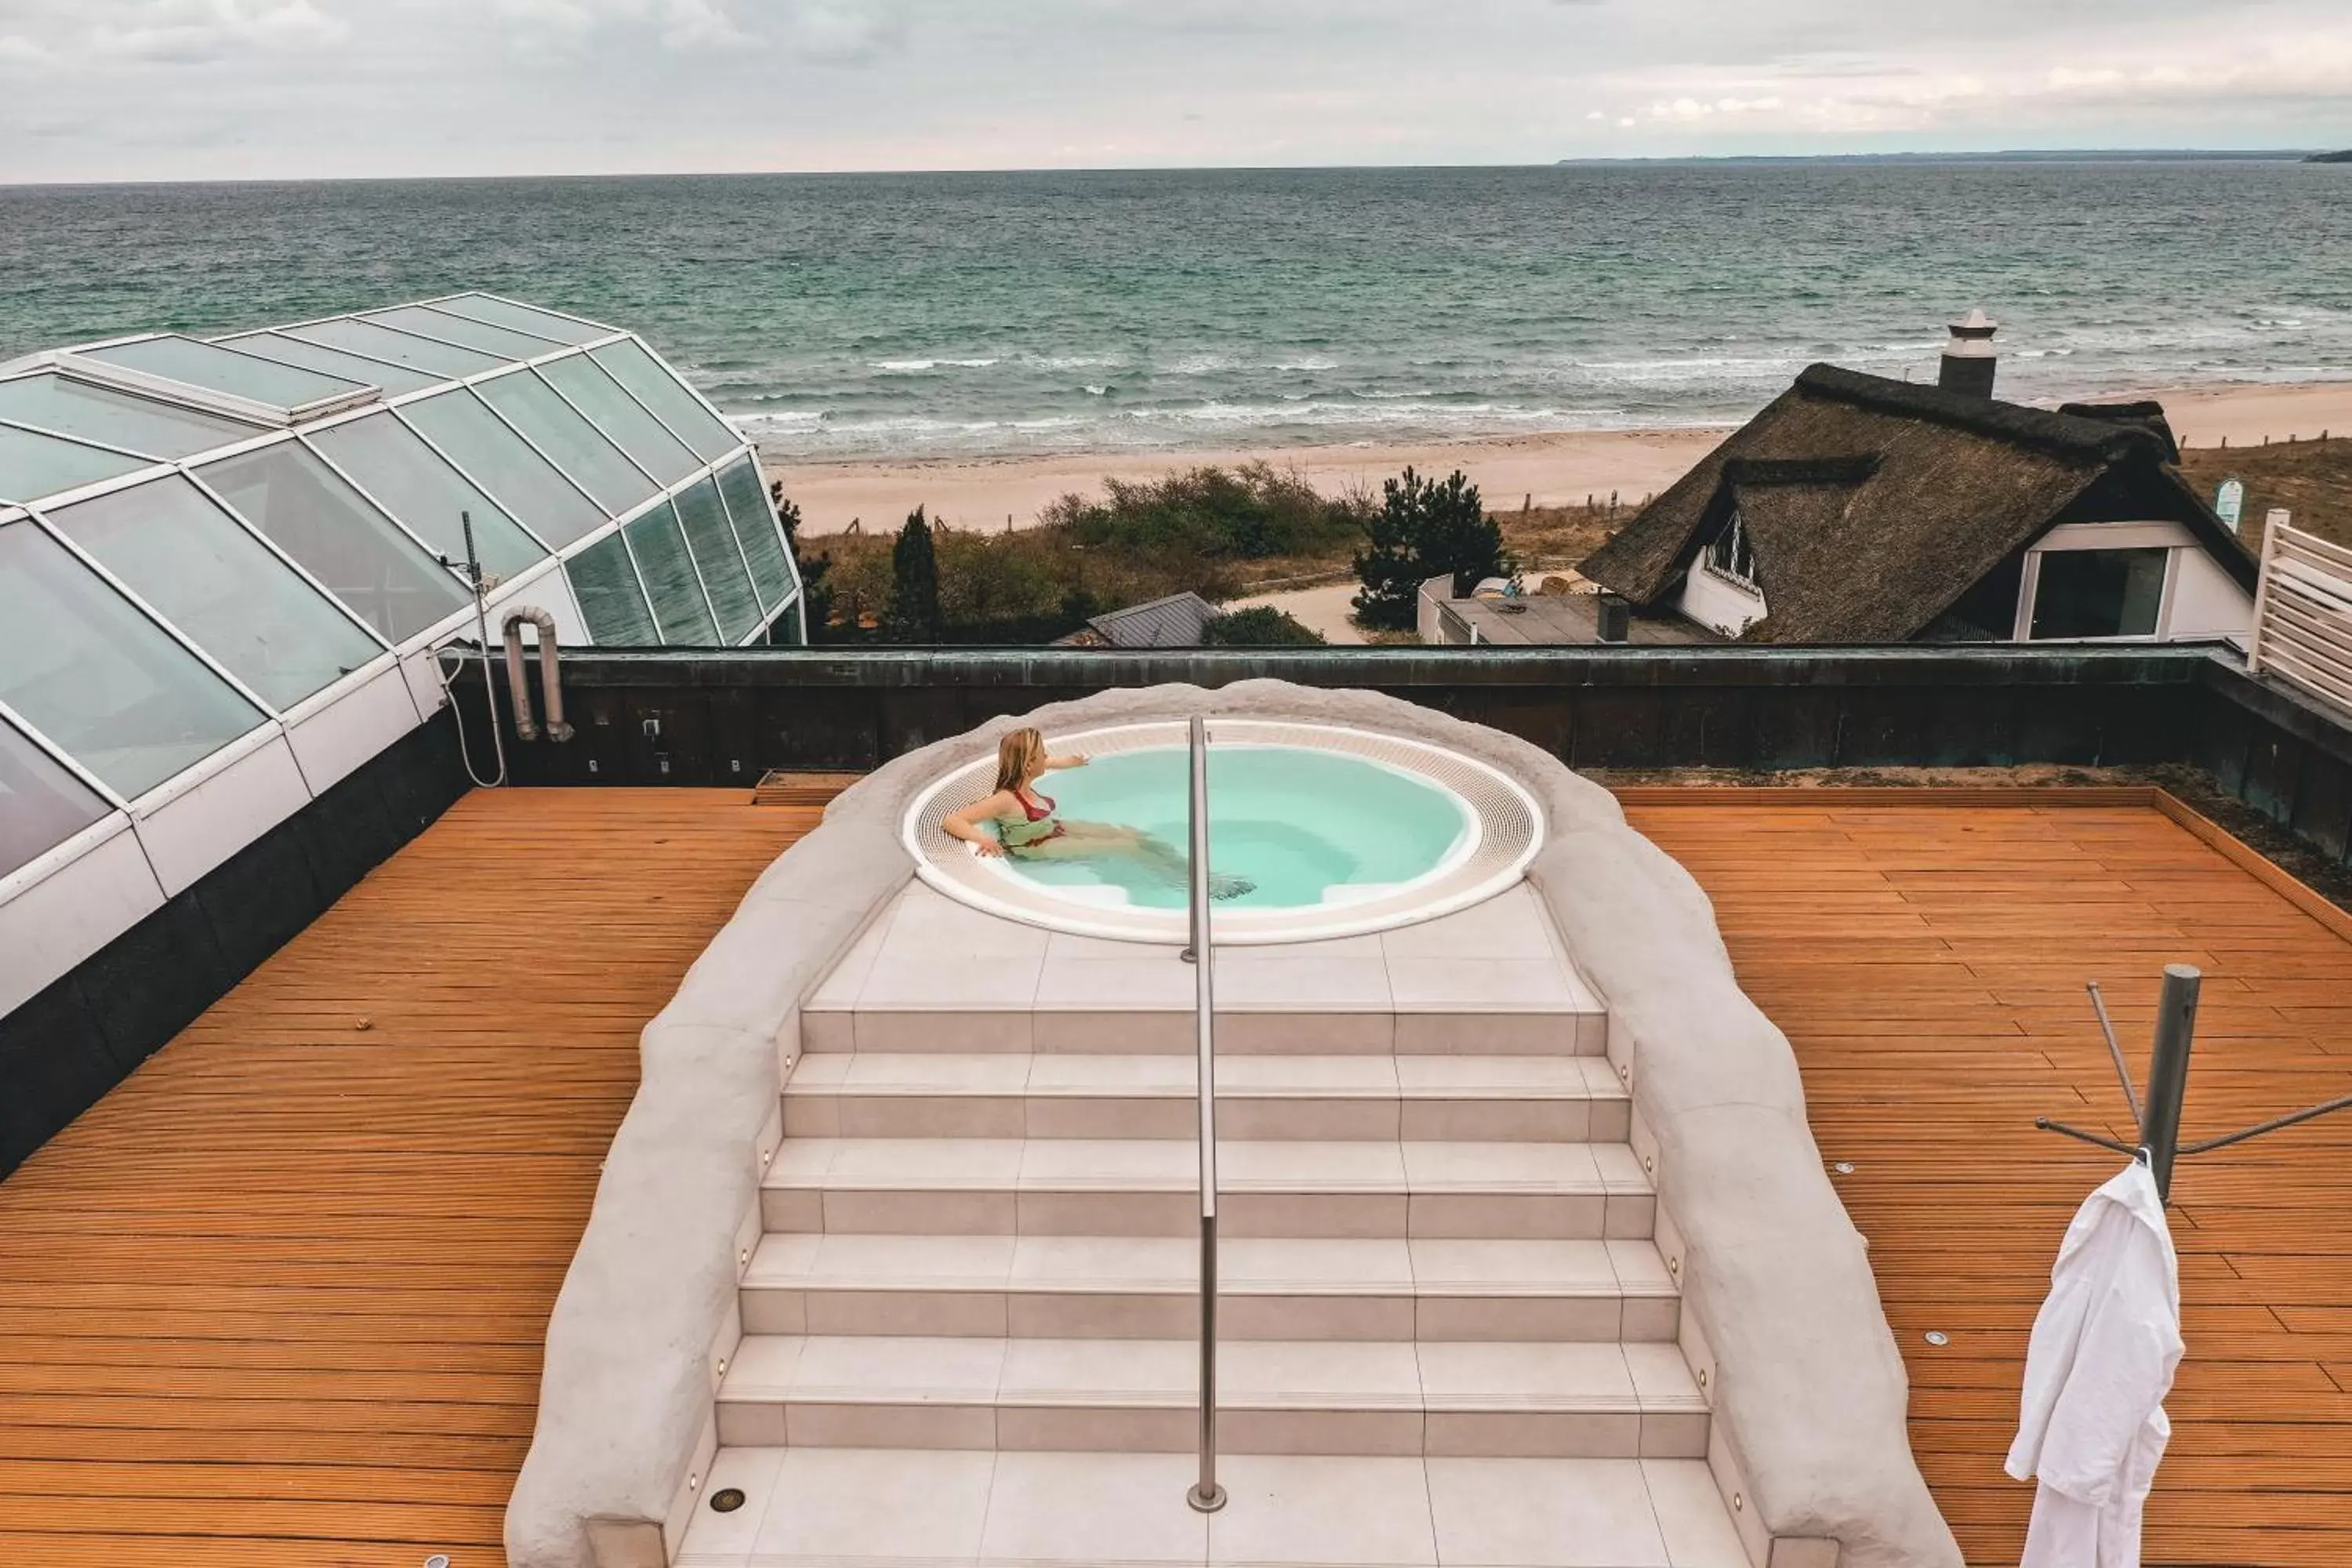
x: 178, y: 90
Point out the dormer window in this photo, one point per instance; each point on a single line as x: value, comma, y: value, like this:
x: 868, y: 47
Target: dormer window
x: 1730, y: 555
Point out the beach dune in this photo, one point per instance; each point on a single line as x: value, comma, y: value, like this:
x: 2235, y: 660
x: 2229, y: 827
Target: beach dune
x: 1553, y: 468
x: 1557, y: 470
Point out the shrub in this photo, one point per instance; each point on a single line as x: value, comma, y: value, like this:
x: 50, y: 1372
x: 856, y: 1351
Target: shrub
x: 913, y: 614
x: 1254, y: 512
x: 1261, y: 626
x: 1424, y: 527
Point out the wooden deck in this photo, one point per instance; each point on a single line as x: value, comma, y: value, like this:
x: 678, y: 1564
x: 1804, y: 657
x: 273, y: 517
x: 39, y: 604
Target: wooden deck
x: 276, y: 1300
x: 1928, y: 964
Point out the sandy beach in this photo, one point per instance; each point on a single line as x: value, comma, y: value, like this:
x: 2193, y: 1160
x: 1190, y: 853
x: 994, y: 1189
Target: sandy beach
x: 1558, y: 468
x: 1555, y: 468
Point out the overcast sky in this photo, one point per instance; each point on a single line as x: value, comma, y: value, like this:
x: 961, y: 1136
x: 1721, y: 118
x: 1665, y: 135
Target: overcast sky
x: 112, y: 90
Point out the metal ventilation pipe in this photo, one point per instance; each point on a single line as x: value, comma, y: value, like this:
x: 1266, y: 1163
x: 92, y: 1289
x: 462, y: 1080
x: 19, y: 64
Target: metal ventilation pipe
x: 551, y: 685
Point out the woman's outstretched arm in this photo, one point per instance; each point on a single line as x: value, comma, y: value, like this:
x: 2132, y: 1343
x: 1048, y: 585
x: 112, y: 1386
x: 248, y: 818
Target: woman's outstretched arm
x: 1075, y: 759
x: 966, y: 823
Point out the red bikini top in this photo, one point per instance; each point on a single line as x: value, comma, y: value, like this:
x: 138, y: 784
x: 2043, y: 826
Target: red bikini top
x: 1035, y: 812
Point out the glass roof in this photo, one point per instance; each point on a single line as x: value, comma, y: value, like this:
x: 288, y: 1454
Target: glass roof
x: 284, y: 499
x: 309, y: 512
x: 217, y: 369
x: 278, y: 507
x: 42, y: 804
x: 522, y: 317
x: 104, y: 683
x: 605, y: 581
x: 225, y: 590
x: 725, y: 576
x: 395, y: 379
x: 532, y: 488
x: 115, y: 419
x: 366, y: 338
x: 32, y: 465
x: 755, y: 525
x: 644, y: 438
x: 658, y: 390
x: 431, y: 323
x: 401, y: 473
x: 576, y: 447
x: 679, y: 609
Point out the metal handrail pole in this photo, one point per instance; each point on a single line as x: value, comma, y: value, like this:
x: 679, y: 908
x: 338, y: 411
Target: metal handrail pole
x: 1208, y: 1495
x: 2167, y: 1072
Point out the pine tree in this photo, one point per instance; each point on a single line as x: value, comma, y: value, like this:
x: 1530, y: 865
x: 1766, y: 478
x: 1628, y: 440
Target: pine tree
x: 1424, y: 527
x: 816, y: 594
x: 913, y: 614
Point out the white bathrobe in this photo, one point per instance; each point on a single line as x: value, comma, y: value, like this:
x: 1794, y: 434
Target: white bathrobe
x: 2092, y: 1427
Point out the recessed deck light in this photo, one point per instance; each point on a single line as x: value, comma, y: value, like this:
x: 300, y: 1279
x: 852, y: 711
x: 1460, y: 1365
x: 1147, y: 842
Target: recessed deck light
x: 1939, y: 1337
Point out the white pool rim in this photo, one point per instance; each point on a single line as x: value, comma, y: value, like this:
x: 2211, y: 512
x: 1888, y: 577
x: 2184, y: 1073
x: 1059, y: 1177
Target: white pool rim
x: 1503, y: 829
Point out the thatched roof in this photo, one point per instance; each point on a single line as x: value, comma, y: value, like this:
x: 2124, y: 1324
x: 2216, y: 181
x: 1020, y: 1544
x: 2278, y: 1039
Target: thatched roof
x: 1872, y: 505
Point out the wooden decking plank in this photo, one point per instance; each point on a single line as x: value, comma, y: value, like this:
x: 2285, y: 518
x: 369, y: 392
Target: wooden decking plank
x: 2004, y: 915
x: 277, y: 1301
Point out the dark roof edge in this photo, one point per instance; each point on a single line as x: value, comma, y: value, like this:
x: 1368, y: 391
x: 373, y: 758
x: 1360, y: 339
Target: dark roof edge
x: 2014, y: 422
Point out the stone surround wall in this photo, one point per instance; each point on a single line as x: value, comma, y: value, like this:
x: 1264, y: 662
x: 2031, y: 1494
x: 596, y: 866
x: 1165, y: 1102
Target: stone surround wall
x: 1781, y: 1318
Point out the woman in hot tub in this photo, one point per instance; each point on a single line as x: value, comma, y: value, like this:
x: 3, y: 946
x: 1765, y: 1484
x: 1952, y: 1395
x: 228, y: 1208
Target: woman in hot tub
x: 1027, y: 827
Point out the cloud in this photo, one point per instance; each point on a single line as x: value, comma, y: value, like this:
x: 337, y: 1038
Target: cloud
x: 677, y: 25
x: 387, y: 86
x: 846, y: 32
x: 196, y: 31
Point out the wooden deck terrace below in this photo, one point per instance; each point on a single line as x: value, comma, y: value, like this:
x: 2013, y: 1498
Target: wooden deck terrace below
x: 1928, y: 964
x: 277, y: 1301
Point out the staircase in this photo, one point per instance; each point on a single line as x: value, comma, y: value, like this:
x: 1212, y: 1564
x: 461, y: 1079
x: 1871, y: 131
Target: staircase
x: 970, y: 1327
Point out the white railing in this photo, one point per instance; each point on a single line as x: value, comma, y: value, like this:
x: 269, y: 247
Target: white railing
x: 2303, y: 616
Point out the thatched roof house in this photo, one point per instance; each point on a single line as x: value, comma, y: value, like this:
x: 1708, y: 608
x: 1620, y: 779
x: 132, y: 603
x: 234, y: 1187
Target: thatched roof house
x: 1856, y: 510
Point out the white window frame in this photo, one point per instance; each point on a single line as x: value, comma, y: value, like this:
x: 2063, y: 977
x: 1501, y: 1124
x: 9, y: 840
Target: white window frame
x: 2077, y: 537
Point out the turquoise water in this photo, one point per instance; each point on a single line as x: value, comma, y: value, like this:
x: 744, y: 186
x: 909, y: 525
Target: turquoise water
x: 860, y: 315
x: 1297, y: 823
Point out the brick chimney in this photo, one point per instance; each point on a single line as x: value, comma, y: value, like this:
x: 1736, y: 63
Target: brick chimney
x: 1969, y: 359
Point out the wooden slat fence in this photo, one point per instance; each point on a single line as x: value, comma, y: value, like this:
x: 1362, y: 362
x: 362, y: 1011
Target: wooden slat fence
x: 2303, y: 616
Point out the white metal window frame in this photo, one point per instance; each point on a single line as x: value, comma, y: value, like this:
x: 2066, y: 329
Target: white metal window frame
x: 78, y: 362
x: 1736, y: 531
x: 2063, y: 541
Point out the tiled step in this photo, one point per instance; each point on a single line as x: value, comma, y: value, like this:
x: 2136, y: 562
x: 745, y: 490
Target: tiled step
x: 852, y: 1507
x: 1081, y: 1027
x: 884, y: 1094
x: 1050, y: 1186
x: 1544, y: 1400
x: 931, y: 974
x: 1096, y: 1287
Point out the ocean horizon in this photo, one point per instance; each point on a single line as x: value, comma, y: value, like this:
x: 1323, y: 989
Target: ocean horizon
x: 861, y: 316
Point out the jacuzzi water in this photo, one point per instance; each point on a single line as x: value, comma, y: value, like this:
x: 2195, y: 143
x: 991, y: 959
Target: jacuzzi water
x: 1305, y: 827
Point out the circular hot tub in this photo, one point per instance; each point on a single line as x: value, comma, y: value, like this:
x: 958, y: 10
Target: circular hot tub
x: 1315, y: 831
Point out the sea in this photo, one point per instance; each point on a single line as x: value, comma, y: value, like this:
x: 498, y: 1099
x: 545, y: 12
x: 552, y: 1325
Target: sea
x: 977, y: 314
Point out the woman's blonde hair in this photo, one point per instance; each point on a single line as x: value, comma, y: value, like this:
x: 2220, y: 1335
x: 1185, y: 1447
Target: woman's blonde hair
x: 1018, y: 757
